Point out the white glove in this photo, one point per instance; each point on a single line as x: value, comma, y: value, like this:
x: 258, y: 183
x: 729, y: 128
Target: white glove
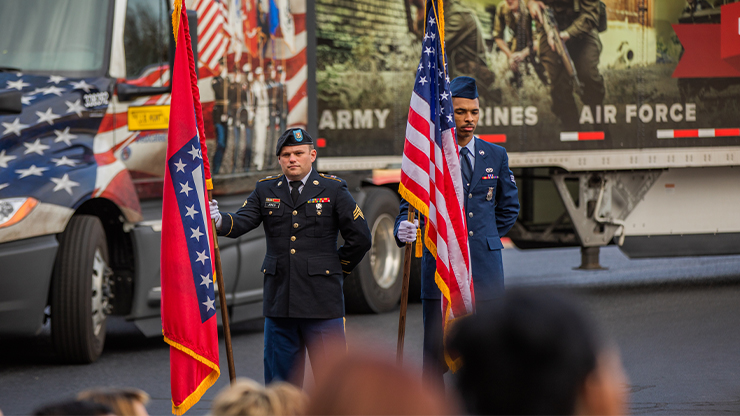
x: 215, y: 215
x: 407, y: 231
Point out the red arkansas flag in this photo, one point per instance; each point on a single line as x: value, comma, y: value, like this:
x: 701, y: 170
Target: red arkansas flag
x: 188, y: 300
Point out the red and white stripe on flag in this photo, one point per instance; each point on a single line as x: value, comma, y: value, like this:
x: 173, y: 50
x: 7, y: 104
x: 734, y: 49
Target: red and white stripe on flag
x: 431, y: 180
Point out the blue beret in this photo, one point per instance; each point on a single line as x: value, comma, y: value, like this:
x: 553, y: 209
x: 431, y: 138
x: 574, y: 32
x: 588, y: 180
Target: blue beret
x: 464, y: 87
x: 293, y: 137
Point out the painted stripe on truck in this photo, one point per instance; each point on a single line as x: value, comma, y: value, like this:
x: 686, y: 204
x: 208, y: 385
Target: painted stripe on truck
x: 572, y: 136
x: 693, y: 133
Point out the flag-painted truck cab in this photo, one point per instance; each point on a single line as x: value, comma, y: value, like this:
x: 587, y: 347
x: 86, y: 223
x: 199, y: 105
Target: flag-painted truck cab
x: 84, y: 107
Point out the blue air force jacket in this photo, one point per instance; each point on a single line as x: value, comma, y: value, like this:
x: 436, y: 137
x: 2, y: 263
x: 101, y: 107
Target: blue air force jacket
x: 491, y: 209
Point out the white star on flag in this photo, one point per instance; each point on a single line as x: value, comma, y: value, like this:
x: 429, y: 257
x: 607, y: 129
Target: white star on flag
x: 426, y: 36
x: 428, y: 51
x: 185, y: 188
x: 194, y: 152
x: 444, y: 95
x: 196, y: 234
x: 191, y: 210
x: 206, y: 280
x: 26, y: 99
x: 82, y: 85
x: 75, y: 107
x: 4, y: 185
x: 5, y: 159
x: 35, y: 147
x: 434, y: 35
x: 64, y: 183
x: 31, y: 171
x: 14, y: 127
x: 56, y: 79
x: 19, y: 84
x: 53, y: 90
x: 449, y: 118
x: 423, y: 80
x: 47, y: 116
x: 431, y: 21
x: 202, y: 257
x: 180, y: 166
x: 64, y: 136
x: 64, y: 161
x: 209, y: 303
x: 420, y: 67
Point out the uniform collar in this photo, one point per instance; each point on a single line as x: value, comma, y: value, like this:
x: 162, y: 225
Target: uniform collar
x: 305, y: 178
x: 470, y: 146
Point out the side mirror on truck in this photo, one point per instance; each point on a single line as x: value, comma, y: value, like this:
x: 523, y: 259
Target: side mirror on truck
x: 128, y: 92
x: 10, y: 102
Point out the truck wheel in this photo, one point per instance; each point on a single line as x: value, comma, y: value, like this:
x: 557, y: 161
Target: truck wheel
x: 80, y: 291
x: 375, y: 284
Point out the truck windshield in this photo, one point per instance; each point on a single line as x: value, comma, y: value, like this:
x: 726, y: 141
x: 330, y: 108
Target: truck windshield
x: 60, y: 36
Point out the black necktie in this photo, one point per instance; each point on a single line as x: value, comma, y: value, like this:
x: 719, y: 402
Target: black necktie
x: 294, y: 192
x: 466, y: 168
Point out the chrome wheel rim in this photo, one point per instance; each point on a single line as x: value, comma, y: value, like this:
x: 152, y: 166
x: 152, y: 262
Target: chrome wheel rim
x: 385, y: 256
x: 100, y: 291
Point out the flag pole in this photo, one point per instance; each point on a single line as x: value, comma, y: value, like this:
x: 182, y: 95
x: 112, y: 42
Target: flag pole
x: 408, y: 255
x: 222, y: 300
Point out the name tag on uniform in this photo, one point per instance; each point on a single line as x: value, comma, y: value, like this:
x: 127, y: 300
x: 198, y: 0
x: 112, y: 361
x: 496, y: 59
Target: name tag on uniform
x: 272, y: 202
x: 489, y: 176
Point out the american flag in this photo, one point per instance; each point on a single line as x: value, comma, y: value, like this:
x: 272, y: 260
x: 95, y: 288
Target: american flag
x: 430, y: 172
x: 213, y: 30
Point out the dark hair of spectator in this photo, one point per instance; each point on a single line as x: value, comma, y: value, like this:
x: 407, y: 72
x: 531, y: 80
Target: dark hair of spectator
x: 74, y: 407
x: 531, y: 355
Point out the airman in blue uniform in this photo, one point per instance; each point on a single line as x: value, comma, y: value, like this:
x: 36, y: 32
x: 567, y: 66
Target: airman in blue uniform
x: 302, y: 212
x: 491, y: 208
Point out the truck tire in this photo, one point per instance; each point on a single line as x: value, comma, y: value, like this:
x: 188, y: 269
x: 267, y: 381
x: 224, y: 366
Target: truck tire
x: 375, y: 284
x: 80, y: 291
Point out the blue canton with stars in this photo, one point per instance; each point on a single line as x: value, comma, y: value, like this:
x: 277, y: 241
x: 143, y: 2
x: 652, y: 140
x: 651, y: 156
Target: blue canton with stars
x: 188, y: 180
x: 432, y: 78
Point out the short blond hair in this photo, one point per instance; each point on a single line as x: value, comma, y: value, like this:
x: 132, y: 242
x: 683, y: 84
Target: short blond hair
x: 121, y: 400
x: 292, y: 400
x: 247, y: 397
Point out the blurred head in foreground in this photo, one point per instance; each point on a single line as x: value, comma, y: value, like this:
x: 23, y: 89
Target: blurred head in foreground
x: 247, y: 397
x: 536, y: 353
x: 123, y: 402
x: 364, y: 384
x: 74, y: 408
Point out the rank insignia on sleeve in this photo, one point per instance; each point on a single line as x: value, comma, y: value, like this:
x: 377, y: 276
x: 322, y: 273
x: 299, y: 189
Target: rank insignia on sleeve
x: 272, y: 202
x: 245, y: 203
x: 358, y: 212
x: 489, y: 176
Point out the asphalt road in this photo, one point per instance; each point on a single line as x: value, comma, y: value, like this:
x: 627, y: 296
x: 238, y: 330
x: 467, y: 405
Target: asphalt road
x: 674, y: 320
